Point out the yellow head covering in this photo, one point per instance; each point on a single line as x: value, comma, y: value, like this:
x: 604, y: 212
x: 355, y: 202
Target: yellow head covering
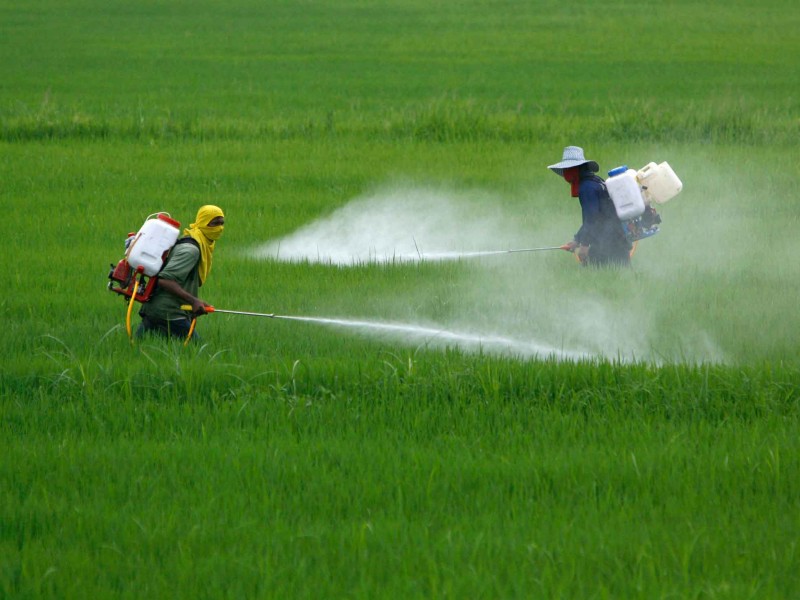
x: 205, y: 236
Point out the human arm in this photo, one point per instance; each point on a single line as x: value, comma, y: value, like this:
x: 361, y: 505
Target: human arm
x: 590, y: 196
x: 172, y: 287
x: 178, y: 281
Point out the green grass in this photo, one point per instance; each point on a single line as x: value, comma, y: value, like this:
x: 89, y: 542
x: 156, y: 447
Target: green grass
x: 467, y: 477
x: 518, y: 71
x: 287, y: 459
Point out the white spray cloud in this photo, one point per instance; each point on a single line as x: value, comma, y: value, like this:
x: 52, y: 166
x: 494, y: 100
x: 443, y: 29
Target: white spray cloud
x: 526, y: 305
x: 398, y: 224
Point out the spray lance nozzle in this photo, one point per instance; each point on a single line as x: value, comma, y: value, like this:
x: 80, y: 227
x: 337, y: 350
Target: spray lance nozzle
x: 211, y: 309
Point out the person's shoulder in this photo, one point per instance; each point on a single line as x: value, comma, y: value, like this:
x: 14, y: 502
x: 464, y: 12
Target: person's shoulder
x: 586, y: 184
x: 186, y: 245
x: 592, y: 184
x: 184, y: 253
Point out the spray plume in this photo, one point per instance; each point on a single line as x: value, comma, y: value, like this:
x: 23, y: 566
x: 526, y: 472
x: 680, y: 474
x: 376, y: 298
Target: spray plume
x: 525, y: 306
x: 427, y: 335
x: 441, y: 337
x: 403, y: 225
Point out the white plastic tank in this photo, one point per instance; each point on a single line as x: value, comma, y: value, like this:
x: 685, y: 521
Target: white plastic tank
x: 155, y: 237
x: 659, y: 182
x: 625, y: 193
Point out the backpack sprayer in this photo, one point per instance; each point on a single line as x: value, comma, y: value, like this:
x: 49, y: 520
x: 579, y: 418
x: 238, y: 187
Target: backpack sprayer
x: 135, y: 276
x: 634, y: 192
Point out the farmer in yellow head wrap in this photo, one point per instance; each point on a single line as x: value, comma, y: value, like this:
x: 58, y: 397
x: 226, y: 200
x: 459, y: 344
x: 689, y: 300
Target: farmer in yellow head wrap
x: 186, y: 269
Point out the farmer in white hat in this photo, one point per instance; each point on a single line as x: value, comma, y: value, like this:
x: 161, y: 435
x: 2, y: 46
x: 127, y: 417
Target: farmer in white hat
x: 600, y: 240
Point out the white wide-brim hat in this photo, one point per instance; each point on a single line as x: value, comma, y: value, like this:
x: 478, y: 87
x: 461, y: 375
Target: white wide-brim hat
x: 573, y: 157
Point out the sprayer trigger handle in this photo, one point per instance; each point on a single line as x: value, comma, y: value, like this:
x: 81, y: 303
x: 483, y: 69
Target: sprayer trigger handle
x: 208, y: 309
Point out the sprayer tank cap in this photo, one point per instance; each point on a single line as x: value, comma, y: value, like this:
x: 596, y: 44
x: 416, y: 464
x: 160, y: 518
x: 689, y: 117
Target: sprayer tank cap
x: 167, y: 219
x: 618, y: 171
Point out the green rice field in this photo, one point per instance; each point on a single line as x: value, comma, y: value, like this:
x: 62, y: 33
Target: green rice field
x: 501, y: 426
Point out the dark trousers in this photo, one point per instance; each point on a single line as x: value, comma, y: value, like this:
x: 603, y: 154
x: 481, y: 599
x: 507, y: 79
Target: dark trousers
x: 609, y: 255
x: 177, y: 328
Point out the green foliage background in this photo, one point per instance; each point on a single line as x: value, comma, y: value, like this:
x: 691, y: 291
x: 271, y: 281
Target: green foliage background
x: 290, y: 460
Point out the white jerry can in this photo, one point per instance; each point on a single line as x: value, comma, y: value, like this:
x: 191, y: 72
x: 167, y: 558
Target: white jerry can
x: 151, y: 242
x: 623, y: 187
x: 659, y: 182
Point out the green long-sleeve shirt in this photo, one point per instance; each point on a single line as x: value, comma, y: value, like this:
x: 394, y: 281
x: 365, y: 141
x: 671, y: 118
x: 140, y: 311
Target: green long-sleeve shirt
x: 180, y: 267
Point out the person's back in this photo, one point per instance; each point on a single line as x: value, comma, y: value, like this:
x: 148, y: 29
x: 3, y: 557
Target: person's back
x: 601, y: 229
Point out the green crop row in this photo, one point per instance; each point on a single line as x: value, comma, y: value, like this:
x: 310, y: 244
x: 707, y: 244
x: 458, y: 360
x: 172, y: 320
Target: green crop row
x: 443, y: 120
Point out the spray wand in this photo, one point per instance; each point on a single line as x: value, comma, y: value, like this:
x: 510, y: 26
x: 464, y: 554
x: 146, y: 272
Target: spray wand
x: 443, y: 255
x: 211, y: 309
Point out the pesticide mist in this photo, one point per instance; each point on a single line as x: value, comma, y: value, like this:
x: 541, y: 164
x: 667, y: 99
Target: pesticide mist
x: 401, y: 225
x: 534, y: 304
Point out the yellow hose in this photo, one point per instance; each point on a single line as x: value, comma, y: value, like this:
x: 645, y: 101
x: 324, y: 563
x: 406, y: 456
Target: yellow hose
x: 130, y: 310
x: 191, y: 331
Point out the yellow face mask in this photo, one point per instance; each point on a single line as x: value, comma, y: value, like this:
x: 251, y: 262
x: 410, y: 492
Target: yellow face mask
x: 212, y: 233
x: 205, y: 236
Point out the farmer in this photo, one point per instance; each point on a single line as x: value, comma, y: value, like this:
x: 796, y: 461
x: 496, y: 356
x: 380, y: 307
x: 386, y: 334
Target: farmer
x: 600, y: 240
x: 185, y: 270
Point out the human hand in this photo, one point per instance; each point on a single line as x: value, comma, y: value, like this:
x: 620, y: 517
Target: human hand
x: 199, y: 307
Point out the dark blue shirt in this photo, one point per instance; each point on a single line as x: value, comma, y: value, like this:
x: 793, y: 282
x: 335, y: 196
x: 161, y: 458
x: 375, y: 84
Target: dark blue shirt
x: 601, y: 228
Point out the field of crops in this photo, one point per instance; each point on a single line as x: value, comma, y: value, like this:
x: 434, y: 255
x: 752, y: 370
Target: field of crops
x: 501, y: 426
